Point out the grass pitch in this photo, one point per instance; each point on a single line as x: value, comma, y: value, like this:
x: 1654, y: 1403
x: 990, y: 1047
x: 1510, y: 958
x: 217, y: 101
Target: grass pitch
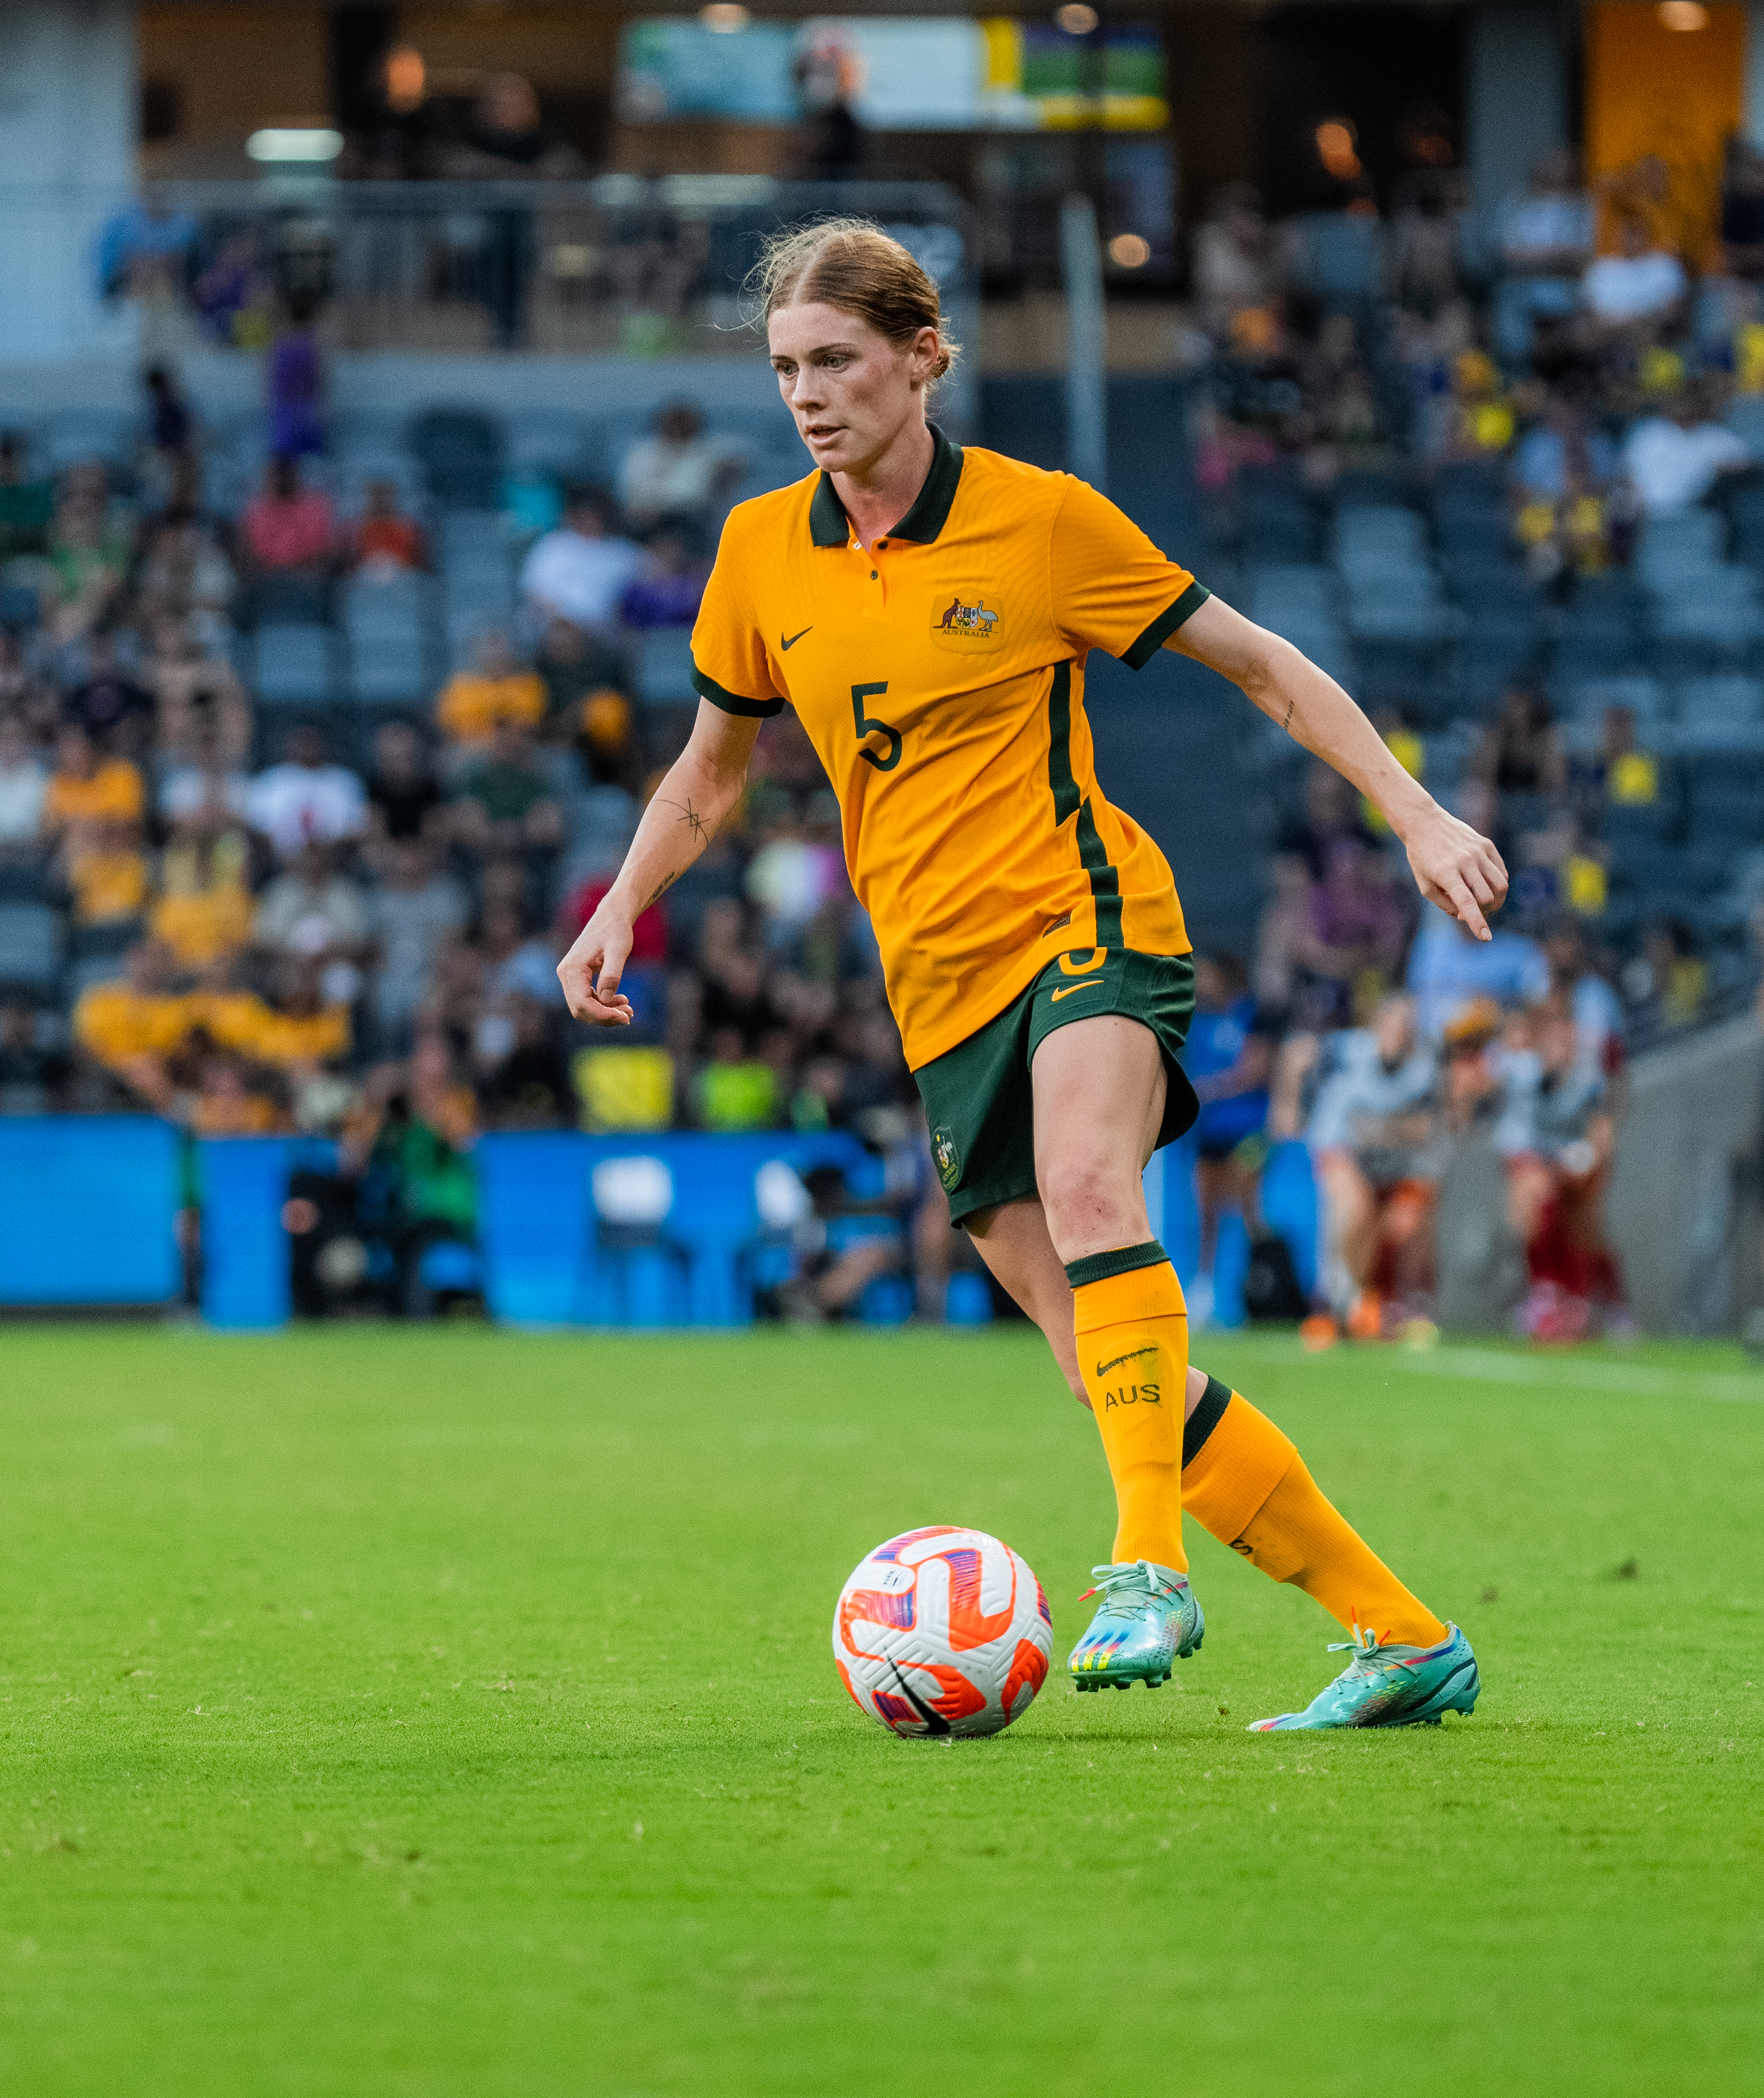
x: 441, y: 1713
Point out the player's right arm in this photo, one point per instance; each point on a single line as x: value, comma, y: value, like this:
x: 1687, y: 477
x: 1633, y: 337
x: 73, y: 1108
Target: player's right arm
x: 684, y: 815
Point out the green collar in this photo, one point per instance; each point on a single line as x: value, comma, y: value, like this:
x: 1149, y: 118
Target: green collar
x: 829, y: 526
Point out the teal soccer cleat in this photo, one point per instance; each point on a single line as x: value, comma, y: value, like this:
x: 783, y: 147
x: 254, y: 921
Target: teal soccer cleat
x: 1148, y: 1620
x: 1390, y: 1686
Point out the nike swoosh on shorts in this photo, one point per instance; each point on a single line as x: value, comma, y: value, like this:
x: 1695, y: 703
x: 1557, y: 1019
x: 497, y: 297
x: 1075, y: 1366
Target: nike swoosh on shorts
x: 1055, y: 997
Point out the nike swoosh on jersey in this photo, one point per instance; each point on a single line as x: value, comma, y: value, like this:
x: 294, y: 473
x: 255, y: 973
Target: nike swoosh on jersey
x: 791, y: 643
x: 1054, y: 997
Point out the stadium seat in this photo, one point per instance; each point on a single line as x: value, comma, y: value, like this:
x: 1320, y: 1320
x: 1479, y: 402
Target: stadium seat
x: 292, y: 663
x: 665, y: 667
x: 31, y: 947
x: 462, y: 451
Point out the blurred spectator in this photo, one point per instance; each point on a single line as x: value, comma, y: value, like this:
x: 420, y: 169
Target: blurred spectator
x: 306, y: 799
x: 35, y: 1068
x: 294, y: 375
x: 200, y: 705
x: 88, y: 787
x: 227, y: 1104
x: 106, y: 871
x: 1229, y: 1058
x: 203, y: 910
x: 89, y: 552
x: 573, y: 664
x: 671, y: 587
x: 1519, y: 752
x: 508, y: 137
x: 523, y: 1077
x: 112, y: 709
x: 580, y: 572
x: 396, y: 141
x: 26, y: 505
x: 144, y: 250
x: 505, y: 803
x: 497, y: 687
x: 414, y: 1130
x: 203, y: 788
x: 1449, y: 967
x: 1374, y: 1139
x: 232, y: 294
x: 311, y: 908
x: 24, y: 790
x: 183, y: 569
x: 1332, y: 815
x: 411, y: 915
x: 403, y: 794
x: 678, y: 472
x: 1547, y: 242
x: 132, y: 1027
x: 517, y: 962
x: 1558, y: 1133
x: 1742, y: 209
x: 384, y: 542
x: 1668, y: 982
x: 171, y: 421
x: 288, y: 530
x: 1639, y: 285
x: 1233, y: 267
x: 1672, y: 460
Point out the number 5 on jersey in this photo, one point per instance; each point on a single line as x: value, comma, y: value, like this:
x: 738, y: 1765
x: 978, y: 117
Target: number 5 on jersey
x: 866, y: 726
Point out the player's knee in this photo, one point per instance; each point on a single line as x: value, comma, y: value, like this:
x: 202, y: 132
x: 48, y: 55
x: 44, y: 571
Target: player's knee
x: 1082, y: 1197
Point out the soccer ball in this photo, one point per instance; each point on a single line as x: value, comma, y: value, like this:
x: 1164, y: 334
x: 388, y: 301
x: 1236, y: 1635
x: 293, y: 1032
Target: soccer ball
x: 944, y: 1630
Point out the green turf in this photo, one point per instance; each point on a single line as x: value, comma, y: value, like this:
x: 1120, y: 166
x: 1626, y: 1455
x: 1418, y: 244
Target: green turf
x: 452, y: 1712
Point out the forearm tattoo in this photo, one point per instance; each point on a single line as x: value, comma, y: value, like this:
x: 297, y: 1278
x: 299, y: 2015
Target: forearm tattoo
x: 661, y: 889
x: 690, y: 816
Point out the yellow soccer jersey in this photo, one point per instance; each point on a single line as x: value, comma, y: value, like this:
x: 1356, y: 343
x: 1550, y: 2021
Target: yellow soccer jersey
x: 939, y: 676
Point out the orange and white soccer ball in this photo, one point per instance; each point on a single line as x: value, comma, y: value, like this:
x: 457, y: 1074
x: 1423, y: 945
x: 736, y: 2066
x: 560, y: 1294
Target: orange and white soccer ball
x: 944, y: 1630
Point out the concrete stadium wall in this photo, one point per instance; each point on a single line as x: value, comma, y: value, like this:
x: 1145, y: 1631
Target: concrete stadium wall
x: 1684, y: 1202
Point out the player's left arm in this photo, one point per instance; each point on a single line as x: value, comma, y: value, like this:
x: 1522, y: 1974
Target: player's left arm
x: 1454, y: 867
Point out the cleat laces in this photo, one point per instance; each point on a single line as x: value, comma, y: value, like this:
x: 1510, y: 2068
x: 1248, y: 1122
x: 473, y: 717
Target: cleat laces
x: 1140, y: 1574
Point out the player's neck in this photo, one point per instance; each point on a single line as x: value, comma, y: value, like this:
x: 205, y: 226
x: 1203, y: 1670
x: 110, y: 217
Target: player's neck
x: 877, y: 498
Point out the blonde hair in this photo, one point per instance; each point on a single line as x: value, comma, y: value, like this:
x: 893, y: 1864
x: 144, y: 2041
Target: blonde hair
x: 852, y: 265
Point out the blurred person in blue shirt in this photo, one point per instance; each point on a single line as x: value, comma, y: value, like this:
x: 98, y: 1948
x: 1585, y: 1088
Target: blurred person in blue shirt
x: 1448, y: 968
x: 1228, y: 1057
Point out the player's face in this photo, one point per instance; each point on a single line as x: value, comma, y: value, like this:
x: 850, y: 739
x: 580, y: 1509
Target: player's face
x: 851, y: 390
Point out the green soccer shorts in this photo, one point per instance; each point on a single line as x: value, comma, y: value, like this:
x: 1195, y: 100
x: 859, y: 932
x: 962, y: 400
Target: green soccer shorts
x: 977, y: 1095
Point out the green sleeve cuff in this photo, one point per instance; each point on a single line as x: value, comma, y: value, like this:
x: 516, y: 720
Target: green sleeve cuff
x: 1164, y: 625
x: 732, y: 703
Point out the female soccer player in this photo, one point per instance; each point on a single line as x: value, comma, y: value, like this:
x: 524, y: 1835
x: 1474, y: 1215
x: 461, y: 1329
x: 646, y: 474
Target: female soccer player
x: 928, y: 610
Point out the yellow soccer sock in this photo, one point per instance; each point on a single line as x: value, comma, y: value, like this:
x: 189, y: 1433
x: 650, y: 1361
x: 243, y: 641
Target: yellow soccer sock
x: 1132, y: 1329
x: 1245, y: 1481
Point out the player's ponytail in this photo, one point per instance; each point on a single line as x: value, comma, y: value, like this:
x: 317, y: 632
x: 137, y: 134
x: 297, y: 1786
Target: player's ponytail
x: 853, y: 266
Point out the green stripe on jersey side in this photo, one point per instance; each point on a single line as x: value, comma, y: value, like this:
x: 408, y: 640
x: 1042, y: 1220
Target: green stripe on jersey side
x: 1093, y: 855
x: 1164, y: 625
x: 1059, y: 777
x: 1105, y: 880
x: 732, y: 703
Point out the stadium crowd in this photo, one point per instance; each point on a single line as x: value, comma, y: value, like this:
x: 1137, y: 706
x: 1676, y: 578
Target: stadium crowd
x: 1499, y: 470
x: 346, y: 921
x: 1498, y: 473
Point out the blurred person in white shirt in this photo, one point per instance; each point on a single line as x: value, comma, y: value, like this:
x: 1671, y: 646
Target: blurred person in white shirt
x: 1639, y: 283
x: 1673, y: 461
x: 581, y: 571
x: 678, y: 471
x: 306, y: 798
x: 23, y: 783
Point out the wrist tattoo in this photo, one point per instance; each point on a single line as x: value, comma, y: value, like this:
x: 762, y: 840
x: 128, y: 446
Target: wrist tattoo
x: 689, y: 816
x: 661, y: 889
x: 1286, y: 719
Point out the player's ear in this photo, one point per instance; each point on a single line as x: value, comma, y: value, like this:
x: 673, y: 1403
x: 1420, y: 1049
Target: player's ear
x: 922, y: 359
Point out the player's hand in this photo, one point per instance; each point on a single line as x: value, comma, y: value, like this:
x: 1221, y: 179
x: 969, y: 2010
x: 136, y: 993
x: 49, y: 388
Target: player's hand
x: 1457, y: 868
x: 590, y: 972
